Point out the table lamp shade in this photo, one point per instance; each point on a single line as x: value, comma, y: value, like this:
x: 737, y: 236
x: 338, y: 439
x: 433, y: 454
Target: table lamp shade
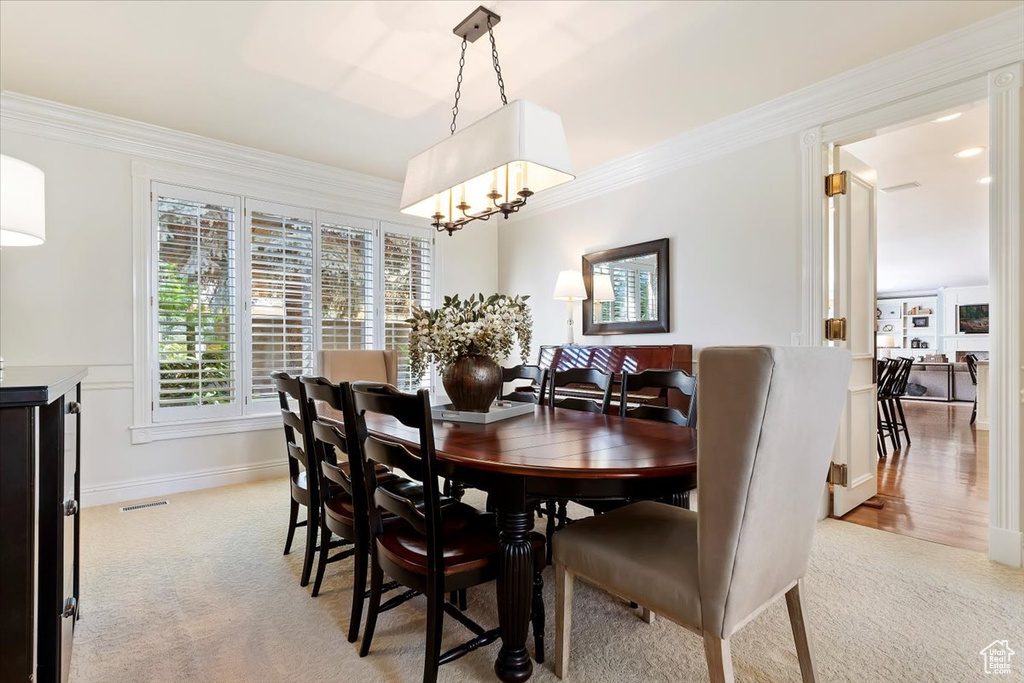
x: 22, y: 203
x: 570, y: 286
x: 885, y: 341
x: 603, y: 288
x: 520, y: 146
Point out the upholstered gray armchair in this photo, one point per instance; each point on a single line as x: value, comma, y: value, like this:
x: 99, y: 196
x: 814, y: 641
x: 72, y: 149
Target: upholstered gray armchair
x: 767, y: 423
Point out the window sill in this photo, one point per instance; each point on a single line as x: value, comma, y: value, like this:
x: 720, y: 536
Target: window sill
x: 209, y: 427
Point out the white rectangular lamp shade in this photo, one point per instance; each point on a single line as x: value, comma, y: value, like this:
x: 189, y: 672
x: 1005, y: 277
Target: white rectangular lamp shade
x: 22, y: 203
x: 520, y: 146
x: 603, y: 288
x: 569, y: 286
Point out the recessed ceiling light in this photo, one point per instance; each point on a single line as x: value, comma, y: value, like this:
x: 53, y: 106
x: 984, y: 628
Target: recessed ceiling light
x: 969, y: 152
x: 985, y: 181
x: 948, y: 117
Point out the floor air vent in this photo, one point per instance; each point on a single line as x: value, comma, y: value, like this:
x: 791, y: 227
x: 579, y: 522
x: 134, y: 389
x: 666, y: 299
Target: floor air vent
x: 141, y: 506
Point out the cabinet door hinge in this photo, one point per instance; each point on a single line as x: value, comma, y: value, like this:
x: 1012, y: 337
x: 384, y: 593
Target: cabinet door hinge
x: 835, y: 329
x: 837, y: 474
x: 835, y: 183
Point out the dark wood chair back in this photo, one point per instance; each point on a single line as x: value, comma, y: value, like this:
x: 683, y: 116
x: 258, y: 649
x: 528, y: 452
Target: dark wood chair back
x: 666, y: 381
x: 412, y: 410
x: 334, y: 446
x: 886, y: 377
x: 580, y: 376
x: 972, y: 367
x: 901, y: 376
x: 296, y: 433
x: 537, y: 377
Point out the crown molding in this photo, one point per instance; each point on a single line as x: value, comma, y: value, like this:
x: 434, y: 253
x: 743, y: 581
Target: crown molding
x: 24, y: 114
x: 969, y: 52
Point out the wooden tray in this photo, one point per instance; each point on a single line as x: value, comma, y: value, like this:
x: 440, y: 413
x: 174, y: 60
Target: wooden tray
x: 500, y: 410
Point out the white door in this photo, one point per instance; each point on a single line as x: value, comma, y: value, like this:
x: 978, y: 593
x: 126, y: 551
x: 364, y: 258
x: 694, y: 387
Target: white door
x: 852, y: 296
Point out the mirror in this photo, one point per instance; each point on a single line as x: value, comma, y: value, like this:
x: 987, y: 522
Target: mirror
x: 627, y: 289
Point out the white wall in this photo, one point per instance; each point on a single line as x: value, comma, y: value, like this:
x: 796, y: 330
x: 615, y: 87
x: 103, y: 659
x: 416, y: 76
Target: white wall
x: 69, y: 302
x: 734, y: 229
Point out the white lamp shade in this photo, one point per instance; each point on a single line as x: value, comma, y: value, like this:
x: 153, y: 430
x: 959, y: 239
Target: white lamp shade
x: 603, y: 288
x: 570, y: 286
x: 22, y: 203
x: 885, y: 341
x: 520, y: 146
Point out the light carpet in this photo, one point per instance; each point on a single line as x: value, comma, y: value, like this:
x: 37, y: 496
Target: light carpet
x: 198, y: 591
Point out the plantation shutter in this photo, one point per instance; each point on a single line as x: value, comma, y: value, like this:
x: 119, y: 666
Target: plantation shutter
x: 346, y: 282
x: 281, y: 293
x: 408, y: 266
x: 195, y: 306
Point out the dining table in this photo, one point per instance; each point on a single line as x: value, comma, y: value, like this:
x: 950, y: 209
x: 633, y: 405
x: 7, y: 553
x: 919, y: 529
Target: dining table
x: 549, y: 453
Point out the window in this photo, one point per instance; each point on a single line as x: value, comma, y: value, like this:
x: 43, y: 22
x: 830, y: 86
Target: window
x: 281, y: 291
x: 346, y: 283
x: 407, y: 283
x: 234, y: 301
x: 195, y: 307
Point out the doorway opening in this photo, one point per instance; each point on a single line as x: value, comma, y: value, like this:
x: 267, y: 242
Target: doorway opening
x: 931, y: 310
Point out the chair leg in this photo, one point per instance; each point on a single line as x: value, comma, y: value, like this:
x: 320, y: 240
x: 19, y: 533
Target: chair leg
x: 563, y: 618
x: 903, y: 419
x: 888, y: 425
x: 463, y: 600
x: 376, y: 585
x: 537, y: 611
x: 312, y: 526
x: 293, y: 519
x: 358, y: 588
x: 795, y: 603
x: 719, y: 659
x: 435, y: 623
x: 894, y: 425
x: 549, y: 530
x: 974, y: 411
x: 880, y: 431
x: 321, y: 563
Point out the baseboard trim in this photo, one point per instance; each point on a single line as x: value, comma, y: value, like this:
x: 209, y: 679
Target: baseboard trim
x: 134, y: 489
x: 1006, y: 546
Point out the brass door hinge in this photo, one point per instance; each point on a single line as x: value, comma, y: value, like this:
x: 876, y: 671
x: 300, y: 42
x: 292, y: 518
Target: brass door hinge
x: 837, y: 475
x: 835, y: 329
x: 835, y: 183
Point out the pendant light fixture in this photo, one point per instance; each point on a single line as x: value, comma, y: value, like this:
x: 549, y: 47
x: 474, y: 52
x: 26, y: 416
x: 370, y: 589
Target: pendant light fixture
x: 492, y: 166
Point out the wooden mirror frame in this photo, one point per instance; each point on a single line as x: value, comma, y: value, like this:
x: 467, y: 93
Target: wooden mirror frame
x: 658, y: 247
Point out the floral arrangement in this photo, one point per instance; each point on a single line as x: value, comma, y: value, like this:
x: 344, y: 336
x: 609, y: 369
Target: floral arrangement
x: 473, y: 326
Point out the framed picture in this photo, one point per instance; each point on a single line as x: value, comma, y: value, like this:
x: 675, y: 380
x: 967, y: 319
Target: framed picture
x: 920, y: 321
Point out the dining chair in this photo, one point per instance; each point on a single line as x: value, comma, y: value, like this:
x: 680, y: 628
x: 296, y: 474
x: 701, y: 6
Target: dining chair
x: 430, y: 548
x: 303, y: 485
x: 537, y: 376
x: 885, y: 382
x: 344, y: 511
x: 767, y: 421
x: 354, y: 365
x: 601, y: 381
x: 972, y: 367
x: 556, y: 509
x: 666, y: 381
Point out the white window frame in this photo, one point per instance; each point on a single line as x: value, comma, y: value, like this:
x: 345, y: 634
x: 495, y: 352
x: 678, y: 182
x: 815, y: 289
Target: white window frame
x: 148, y: 425
x: 161, y: 415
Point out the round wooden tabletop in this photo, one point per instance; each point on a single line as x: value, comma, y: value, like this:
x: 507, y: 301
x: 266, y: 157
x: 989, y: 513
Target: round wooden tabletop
x: 556, y: 442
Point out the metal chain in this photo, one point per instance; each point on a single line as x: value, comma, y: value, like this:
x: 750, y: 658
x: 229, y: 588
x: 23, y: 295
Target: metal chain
x: 497, y: 67
x: 458, y: 85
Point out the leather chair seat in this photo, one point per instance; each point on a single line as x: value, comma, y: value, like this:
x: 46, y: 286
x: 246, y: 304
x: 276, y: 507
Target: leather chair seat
x: 470, y: 540
x: 646, y: 551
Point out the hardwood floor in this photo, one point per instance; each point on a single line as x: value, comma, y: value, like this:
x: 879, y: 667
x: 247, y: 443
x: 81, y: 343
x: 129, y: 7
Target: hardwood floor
x: 935, y: 489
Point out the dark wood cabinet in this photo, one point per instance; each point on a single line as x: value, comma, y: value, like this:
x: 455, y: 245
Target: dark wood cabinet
x: 40, y: 456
